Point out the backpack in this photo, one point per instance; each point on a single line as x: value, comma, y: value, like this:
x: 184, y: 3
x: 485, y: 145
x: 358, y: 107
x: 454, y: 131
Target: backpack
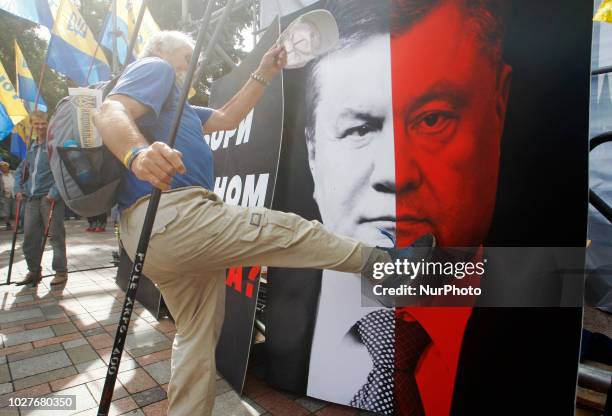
x: 87, y: 178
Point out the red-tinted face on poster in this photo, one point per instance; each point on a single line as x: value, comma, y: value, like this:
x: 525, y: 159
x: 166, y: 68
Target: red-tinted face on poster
x: 449, y: 103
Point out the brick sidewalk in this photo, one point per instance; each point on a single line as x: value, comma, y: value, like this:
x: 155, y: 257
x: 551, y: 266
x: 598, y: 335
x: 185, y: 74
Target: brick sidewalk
x: 58, y: 342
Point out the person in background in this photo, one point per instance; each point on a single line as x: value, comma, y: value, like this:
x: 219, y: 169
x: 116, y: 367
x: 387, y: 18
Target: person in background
x: 97, y: 224
x: 39, y: 192
x: 6, y: 194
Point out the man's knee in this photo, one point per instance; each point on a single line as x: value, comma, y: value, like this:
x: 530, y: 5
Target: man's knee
x: 57, y: 240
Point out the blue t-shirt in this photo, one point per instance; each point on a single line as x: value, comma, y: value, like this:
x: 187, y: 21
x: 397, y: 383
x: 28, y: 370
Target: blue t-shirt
x: 150, y: 81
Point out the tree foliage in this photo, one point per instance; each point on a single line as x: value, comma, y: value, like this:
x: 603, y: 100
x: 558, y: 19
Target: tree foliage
x: 28, y: 36
x: 167, y: 14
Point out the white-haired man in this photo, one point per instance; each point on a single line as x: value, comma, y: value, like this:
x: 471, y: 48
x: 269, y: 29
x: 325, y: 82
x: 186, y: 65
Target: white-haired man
x: 196, y: 236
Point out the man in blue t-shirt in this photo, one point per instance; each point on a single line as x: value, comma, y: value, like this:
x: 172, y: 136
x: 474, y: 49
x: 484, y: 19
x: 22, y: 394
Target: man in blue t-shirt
x: 196, y: 237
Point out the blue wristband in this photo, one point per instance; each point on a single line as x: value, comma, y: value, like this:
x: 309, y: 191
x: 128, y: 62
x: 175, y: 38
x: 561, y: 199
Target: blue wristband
x: 134, y: 152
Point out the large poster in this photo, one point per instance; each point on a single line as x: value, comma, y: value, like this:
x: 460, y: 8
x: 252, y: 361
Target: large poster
x: 246, y: 162
x: 467, y: 120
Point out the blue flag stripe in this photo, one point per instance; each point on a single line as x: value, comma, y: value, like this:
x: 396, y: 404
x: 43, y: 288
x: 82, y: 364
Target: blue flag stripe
x: 107, y: 37
x: 75, y: 64
x: 27, y: 91
x: 18, y: 146
x: 6, y: 125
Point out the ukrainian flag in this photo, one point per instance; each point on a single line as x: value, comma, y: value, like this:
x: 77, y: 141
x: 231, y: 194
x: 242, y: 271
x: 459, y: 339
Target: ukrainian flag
x: 73, y: 50
x: 36, y: 11
x: 127, y: 14
x: 19, y: 139
x: 6, y: 124
x: 10, y: 99
x: 26, y: 86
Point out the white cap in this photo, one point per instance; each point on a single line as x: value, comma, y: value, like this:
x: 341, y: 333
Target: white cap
x: 308, y: 36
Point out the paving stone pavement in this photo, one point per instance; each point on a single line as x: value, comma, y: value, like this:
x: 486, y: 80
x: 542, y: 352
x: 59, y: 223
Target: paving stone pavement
x: 57, y: 342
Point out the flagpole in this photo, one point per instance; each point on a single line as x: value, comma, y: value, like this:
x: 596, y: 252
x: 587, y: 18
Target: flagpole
x: 93, y: 58
x: 40, y: 78
x: 115, y: 51
x: 44, y: 65
x: 23, y: 101
x: 134, y: 37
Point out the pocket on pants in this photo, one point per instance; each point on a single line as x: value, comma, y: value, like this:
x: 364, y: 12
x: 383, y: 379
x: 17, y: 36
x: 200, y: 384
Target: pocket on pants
x: 269, y: 227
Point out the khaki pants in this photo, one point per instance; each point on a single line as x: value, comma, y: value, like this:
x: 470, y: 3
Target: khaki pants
x: 196, y: 237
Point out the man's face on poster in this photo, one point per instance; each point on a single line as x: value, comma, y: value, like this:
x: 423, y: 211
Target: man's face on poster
x: 428, y: 161
x: 351, y: 147
x: 449, y: 106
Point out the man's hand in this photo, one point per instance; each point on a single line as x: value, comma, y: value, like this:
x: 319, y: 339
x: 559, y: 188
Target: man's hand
x: 272, y: 62
x: 49, y: 199
x: 158, y: 164
x: 19, y: 196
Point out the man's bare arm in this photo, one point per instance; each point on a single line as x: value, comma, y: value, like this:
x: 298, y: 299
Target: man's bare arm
x: 116, y: 124
x: 236, y: 109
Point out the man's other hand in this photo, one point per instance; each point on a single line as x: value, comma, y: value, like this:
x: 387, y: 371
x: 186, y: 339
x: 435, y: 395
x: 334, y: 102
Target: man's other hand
x: 19, y: 196
x: 272, y: 62
x: 158, y: 164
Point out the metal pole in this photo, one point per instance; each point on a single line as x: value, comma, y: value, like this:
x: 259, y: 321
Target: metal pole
x: 44, y: 65
x: 84, y: 270
x: 218, y: 49
x: 145, y: 235
x: 255, y: 22
x: 93, y: 58
x: 184, y: 12
x: 134, y: 36
x: 115, y: 34
x: 221, y: 52
x: 211, y: 44
x: 233, y: 7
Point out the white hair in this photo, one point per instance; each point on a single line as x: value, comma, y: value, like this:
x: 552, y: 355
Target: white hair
x: 165, y: 41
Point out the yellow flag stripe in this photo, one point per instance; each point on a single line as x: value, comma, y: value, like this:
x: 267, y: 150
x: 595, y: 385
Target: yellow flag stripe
x: 10, y: 98
x: 71, y: 27
x: 604, y: 13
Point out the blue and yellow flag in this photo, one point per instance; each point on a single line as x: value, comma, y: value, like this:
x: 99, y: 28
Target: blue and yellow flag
x: 6, y: 124
x: 36, y: 11
x: 127, y: 14
x: 73, y: 50
x: 9, y: 98
x: 19, y: 139
x: 26, y: 86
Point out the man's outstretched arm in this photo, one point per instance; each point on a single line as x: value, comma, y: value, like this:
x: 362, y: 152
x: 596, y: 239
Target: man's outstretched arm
x: 236, y: 109
x: 115, y: 122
